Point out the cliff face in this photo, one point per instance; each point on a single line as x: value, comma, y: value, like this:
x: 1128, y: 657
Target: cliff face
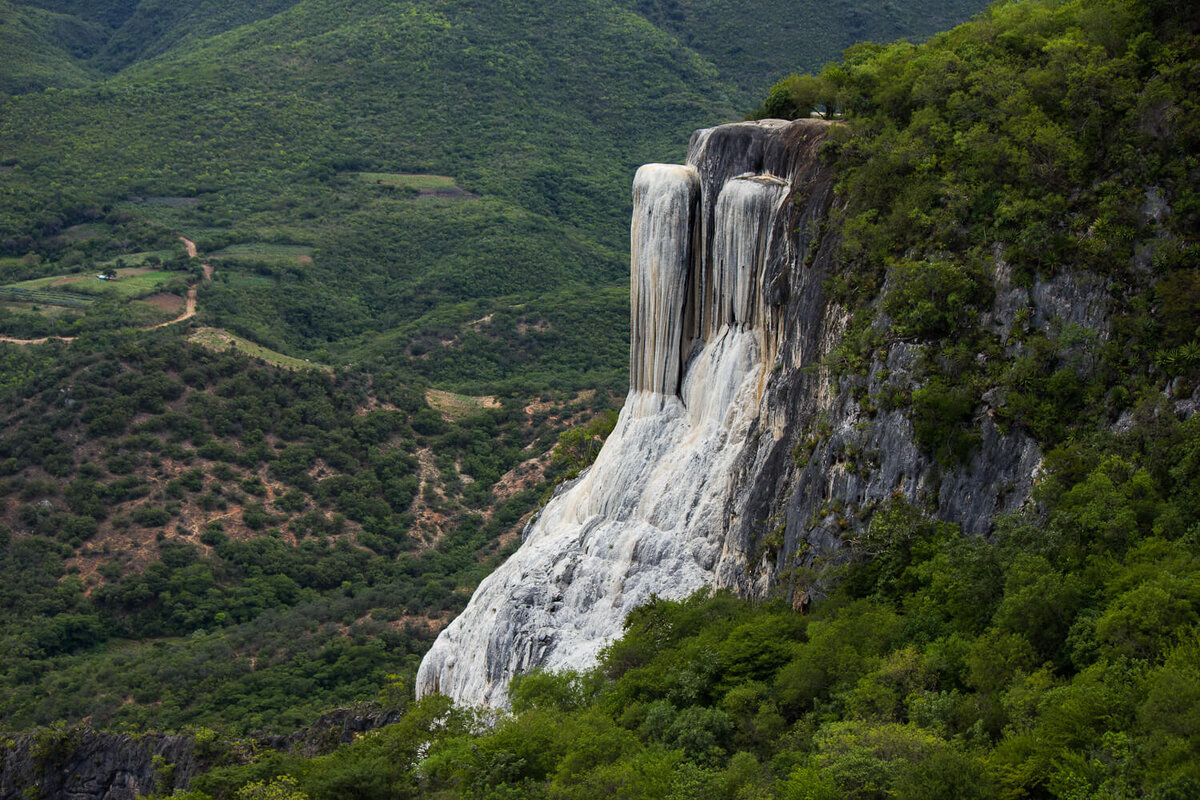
x: 84, y: 764
x: 81, y: 764
x: 738, y: 454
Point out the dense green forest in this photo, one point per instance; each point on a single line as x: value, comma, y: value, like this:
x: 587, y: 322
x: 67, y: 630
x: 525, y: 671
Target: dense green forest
x: 420, y: 193
x: 1045, y: 137
x: 1059, y: 659
x: 1056, y: 658
x: 425, y: 193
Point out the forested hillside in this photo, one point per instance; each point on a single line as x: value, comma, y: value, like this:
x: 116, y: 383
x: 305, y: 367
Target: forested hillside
x: 328, y: 125
x: 194, y: 537
x: 1055, y: 658
x: 434, y: 196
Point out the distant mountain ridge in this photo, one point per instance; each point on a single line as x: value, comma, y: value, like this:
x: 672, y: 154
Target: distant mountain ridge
x: 751, y: 55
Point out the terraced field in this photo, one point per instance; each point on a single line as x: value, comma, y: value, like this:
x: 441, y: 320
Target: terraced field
x: 262, y: 251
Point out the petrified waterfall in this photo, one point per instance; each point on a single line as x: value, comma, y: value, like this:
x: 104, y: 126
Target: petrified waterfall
x: 713, y: 244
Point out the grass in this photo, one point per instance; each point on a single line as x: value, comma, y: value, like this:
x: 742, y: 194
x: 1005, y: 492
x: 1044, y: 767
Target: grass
x: 220, y: 340
x: 85, y: 231
x: 243, y: 280
x: 38, y: 283
x: 134, y: 283
x: 404, y: 181
x: 132, y: 286
x: 458, y: 406
x: 264, y: 251
x: 19, y: 294
x: 52, y: 312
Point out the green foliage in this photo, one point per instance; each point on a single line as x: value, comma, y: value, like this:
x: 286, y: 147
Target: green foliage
x: 1031, y: 141
x: 578, y: 447
x: 245, y: 530
x: 164, y: 118
x: 931, y: 299
x: 940, y: 666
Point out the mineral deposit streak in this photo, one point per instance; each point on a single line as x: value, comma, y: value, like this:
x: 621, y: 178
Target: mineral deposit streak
x: 651, y: 515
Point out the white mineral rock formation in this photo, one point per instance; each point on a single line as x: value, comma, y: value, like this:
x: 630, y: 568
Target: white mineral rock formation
x: 650, y: 516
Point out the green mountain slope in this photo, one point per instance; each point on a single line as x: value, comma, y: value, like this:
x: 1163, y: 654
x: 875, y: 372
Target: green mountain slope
x: 170, y: 509
x: 542, y: 110
x: 157, y: 26
x: 43, y: 48
x: 751, y: 41
x: 240, y: 125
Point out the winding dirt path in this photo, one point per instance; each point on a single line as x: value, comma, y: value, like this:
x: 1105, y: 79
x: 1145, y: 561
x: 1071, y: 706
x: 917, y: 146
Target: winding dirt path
x: 189, y: 309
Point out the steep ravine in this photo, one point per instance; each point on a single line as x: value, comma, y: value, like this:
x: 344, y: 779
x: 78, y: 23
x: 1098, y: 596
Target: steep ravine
x: 739, y: 455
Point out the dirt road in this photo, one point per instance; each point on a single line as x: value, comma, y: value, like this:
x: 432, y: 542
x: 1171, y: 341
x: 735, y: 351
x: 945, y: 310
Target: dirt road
x: 189, y: 309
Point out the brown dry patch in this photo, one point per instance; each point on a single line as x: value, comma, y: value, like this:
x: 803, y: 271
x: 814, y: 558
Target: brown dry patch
x: 69, y: 279
x: 521, y: 477
x: 320, y: 470
x: 433, y: 624
x: 538, y: 406
x: 541, y: 405
x: 304, y: 260
x: 429, y: 523
x: 374, y: 404
x: 139, y: 546
x: 171, y: 303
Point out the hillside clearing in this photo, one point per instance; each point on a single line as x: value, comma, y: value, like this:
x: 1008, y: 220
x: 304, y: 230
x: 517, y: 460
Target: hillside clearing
x: 221, y: 340
x: 454, y: 407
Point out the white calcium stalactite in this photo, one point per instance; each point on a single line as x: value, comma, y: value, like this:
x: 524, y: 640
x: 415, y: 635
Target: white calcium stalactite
x: 650, y: 516
x: 664, y: 206
x: 743, y: 219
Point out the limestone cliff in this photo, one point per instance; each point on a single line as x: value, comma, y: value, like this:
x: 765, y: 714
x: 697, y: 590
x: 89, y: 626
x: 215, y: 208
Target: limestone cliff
x: 738, y: 454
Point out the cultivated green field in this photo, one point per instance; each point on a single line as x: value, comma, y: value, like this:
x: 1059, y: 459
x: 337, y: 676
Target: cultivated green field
x: 137, y: 285
x: 42, y: 283
x: 82, y: 288
x: 17, y: 294
x: 401, y: 180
